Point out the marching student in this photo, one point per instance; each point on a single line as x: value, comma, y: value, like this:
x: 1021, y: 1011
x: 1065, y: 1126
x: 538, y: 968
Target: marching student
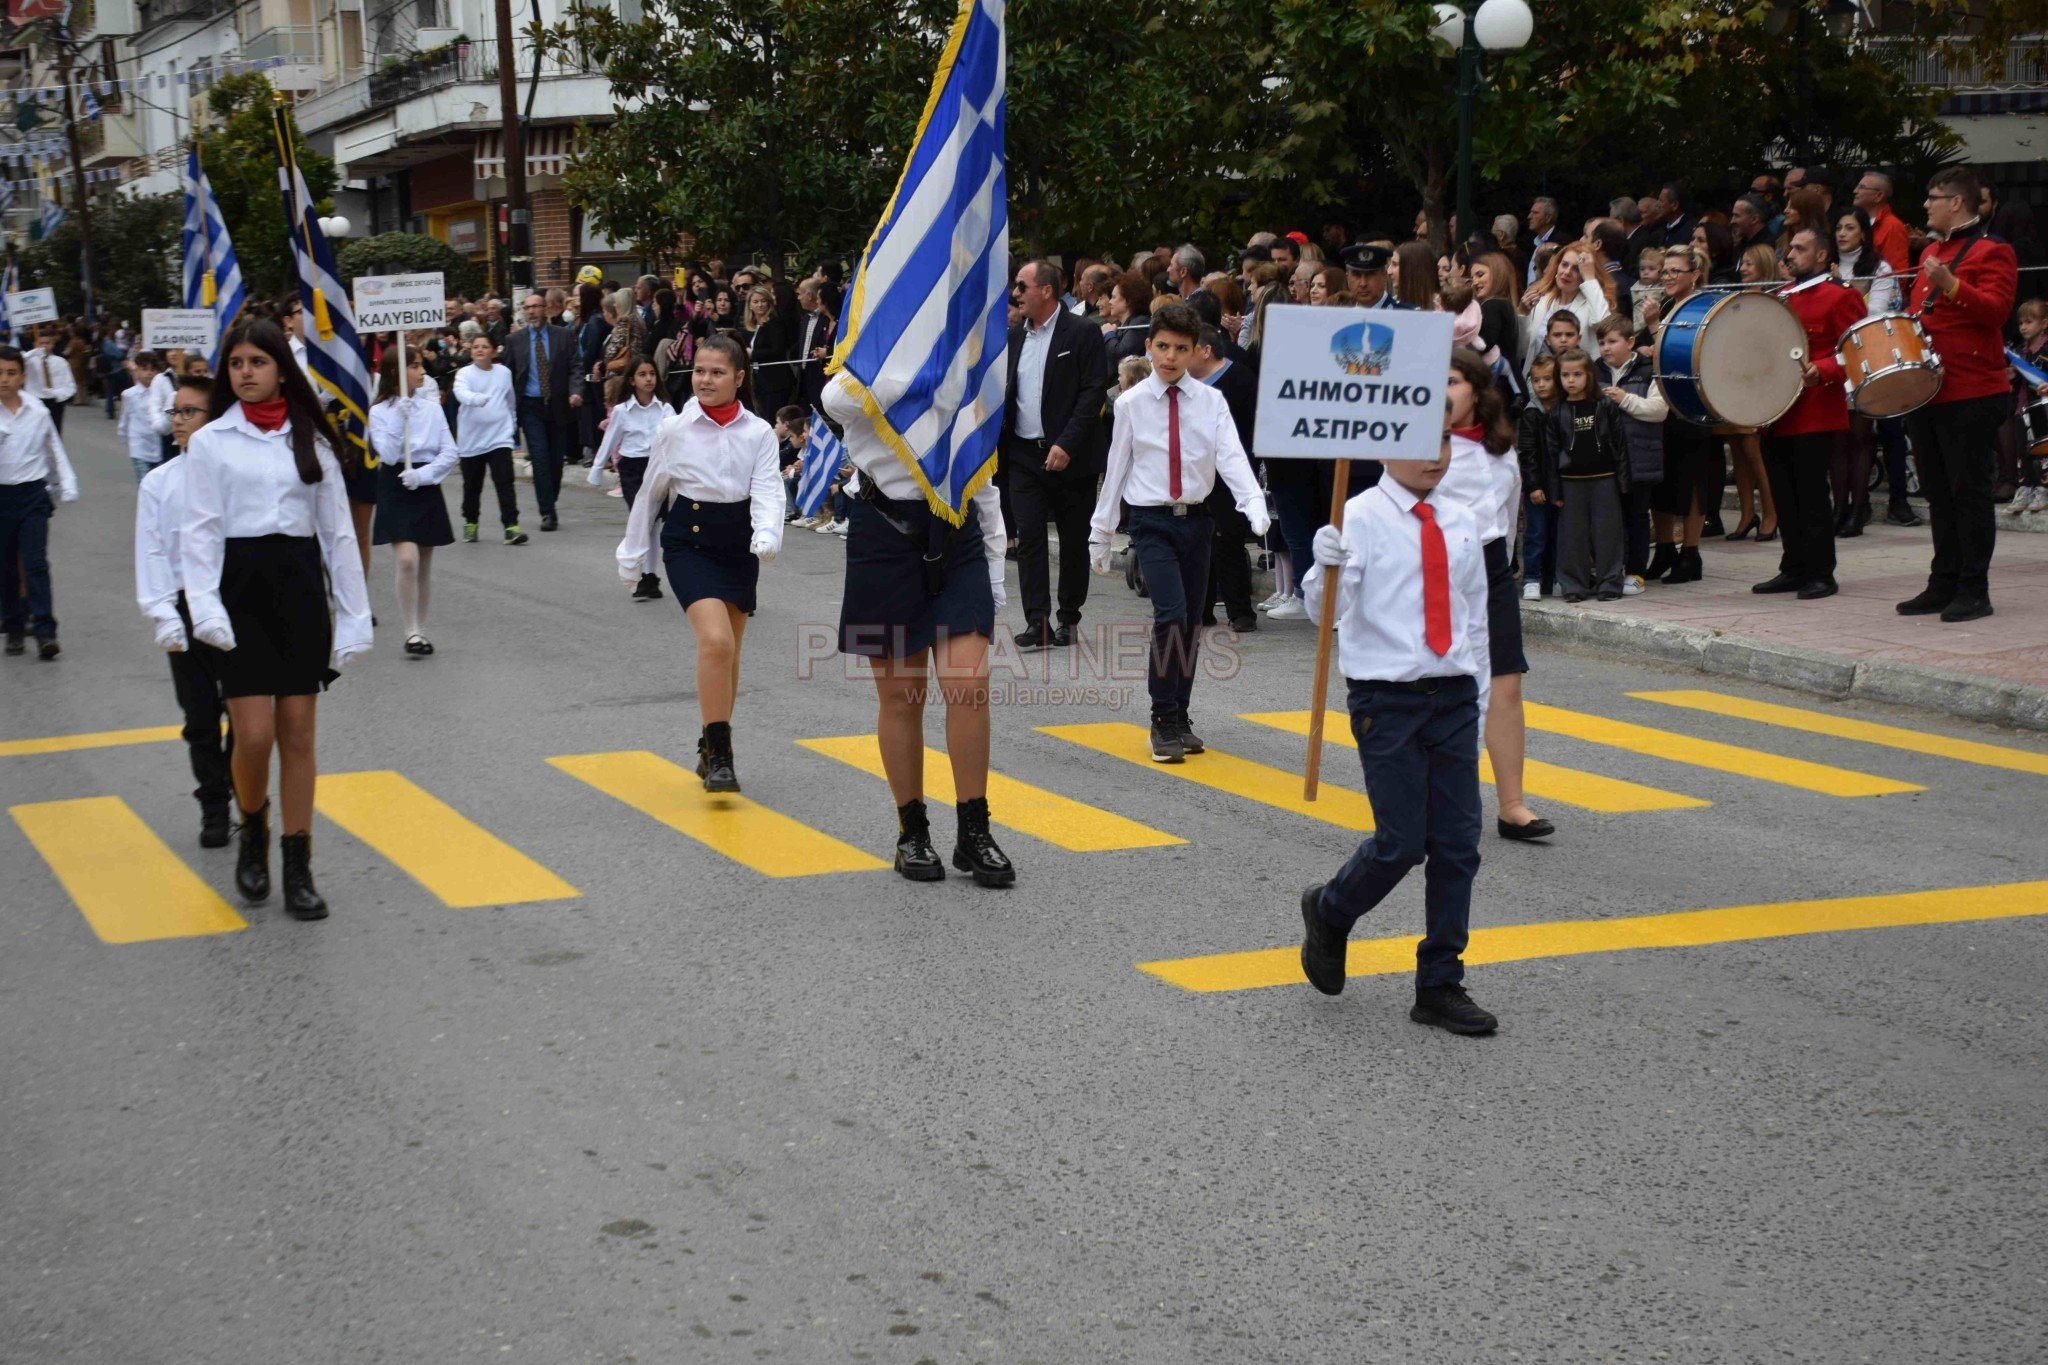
x: 628, y: 437
x: 31, y: 459
x: 144, y: 421
x: 50, y: 380
x: 412, y: 515
x: 718, y: 461
x: 160, y: 592
x: 484, y: 438
x: 1410, y: 577
x: 275, y: 589
x: 1172, y: 440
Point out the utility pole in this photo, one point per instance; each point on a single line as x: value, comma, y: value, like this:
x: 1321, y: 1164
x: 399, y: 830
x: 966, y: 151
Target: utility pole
x: 519, y: 249
x: 80, y: 205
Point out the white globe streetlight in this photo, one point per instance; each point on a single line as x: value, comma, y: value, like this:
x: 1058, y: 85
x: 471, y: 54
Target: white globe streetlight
x: 1495, y: 26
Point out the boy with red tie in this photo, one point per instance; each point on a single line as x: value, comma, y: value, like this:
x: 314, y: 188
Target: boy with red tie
x: 1410, y: 579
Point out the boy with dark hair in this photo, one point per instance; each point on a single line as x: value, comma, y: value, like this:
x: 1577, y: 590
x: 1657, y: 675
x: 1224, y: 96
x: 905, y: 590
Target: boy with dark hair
x: 1172, y: 440
x: 31, y: 457
x: 145, y: 424
x: 791, y: 434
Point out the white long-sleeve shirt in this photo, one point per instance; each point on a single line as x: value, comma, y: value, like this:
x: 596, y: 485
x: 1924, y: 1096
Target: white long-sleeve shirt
x: 697, y: 460
x: 30, y: 449
x: 1380, y: 625
x: 418, y: 425
x: 1138, y: 473
x: 159, y: 534
x: 241, y: 481
x: 1487, y: 486
x: 1589, y: 305
x: 489, y: 415
x: 139, y: 421
x: 880, y: 465
x: 629, y: 432
x: 49, y: 376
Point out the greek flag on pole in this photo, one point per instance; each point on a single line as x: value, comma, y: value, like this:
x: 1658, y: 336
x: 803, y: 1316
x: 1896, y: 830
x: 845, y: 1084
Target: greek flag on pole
x: 822, y: 457
x: 213, y: 279
x: 333, y: 354
x: 927, y: 320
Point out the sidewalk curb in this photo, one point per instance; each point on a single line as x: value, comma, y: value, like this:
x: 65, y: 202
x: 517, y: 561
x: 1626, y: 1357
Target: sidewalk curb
x: 1963, y: 695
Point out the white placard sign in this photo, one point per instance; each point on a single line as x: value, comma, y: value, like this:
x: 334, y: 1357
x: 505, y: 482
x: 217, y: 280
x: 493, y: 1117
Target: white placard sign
x: 30, y: 307
x: 389, y: 303
x: 1352, y: 383
x: 179, y: 329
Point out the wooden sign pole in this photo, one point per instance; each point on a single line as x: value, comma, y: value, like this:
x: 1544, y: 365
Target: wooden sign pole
x: 1326, y: 628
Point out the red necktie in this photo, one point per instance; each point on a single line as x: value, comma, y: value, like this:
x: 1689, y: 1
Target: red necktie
x: 1173, y: 441
x: 1436, y: 582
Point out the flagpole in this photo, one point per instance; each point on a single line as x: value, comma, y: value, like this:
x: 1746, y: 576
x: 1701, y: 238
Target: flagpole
x: 288, y: 167
x: 208, y: 287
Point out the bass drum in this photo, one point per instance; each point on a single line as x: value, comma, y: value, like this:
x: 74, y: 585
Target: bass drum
x: 2034, y: 427
x: 1731, y: 359
x: 1889, y: 365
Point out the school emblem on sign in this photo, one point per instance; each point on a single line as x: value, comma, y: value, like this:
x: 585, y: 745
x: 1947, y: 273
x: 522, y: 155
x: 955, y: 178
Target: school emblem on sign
x: 1363, y: 348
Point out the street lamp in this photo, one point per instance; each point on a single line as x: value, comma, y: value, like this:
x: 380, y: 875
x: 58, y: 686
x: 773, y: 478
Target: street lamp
x: 336, y: 226
x: 1494, y: 26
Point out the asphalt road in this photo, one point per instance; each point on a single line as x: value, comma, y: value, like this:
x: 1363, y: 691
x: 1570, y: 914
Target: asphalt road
x: 698, y: 1113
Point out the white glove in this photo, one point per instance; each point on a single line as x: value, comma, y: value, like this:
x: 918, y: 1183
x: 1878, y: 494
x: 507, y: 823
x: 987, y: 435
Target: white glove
x: 762, y: 546
x: 69, y: 495
x: 630, y: 573
x: 217, y: 633
x: 1002, y: 599
x: 596, y: 476
x: 411, y: 477
x: 1330, y: 547
x: 344, y: 657
x: 170, y: 636
x: 1098, y: 559
x: 1261, y: 523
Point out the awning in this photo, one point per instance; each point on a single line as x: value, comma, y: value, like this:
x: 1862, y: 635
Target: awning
x: 548, y: 152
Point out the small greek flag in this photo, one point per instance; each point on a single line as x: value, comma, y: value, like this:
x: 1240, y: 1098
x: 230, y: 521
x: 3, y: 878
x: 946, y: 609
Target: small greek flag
x: 821, y: 460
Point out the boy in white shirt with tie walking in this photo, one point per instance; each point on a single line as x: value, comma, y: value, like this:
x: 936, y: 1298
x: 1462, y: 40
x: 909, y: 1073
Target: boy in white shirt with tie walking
x: 35, y: 474
x: 1411, y: 623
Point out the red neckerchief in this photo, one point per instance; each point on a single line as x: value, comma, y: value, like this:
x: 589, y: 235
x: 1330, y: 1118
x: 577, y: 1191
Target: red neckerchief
x: 264, y: 416
x: 1474, y: 434
x: 725, y: 414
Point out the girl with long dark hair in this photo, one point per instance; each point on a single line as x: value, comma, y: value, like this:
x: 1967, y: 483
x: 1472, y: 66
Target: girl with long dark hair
x: 415, y: 452
x: 275, y: 587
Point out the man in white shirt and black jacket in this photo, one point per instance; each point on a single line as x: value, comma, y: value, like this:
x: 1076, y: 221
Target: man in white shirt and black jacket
x: 1050, y: 420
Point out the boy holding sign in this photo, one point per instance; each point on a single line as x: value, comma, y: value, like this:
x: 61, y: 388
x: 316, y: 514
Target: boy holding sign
x: 1410, y: 577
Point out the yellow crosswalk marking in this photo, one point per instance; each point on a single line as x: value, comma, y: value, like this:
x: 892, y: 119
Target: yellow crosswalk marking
x: 1062, y: 822
x: 1273, y: 787
x: 99, y: 739
x: 1707, y: 753
x: 745, y: 831
x: 126, y: 882
x: 1589, y: 791
x: 1566, y: 938
x: 1845, y: 727
x: 459, y: 861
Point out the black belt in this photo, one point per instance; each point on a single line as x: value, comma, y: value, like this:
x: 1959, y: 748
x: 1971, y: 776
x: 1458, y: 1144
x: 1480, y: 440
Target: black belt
x: 935, y: 542
x: 1173, y: 509
x: 1427, y: 686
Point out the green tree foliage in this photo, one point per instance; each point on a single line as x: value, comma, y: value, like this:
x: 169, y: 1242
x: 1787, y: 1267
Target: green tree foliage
x: 135, y: 257
x: 408, y: 253
x: 241, y: 164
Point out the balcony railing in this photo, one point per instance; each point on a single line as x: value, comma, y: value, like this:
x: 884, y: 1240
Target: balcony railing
x: 2025, y: 65
x: 299, y: 45
x: 466, y: 61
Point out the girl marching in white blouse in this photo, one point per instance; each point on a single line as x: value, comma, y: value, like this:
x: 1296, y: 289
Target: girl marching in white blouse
x: 718, y: 462
x: 628, y: 439
x: 415, y: 451
x: 269, y: 552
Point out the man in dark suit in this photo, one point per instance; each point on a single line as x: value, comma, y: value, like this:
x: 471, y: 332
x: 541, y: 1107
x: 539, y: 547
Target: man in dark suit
x: 1230, y: 566
x: 1050, y: 420
x: 542, y: 356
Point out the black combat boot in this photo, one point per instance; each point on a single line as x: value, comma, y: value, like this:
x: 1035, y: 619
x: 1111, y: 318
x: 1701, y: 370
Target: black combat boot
x: 714, y: 758
x: 215, y: 831
x: 975, y: 851
x: 301, y: 901
x: 915, y: 856
x: 252, y: 863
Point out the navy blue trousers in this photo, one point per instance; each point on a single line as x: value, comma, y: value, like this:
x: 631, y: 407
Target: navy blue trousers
x: 25, y: 560
x: 1173, y: 554
x: 1420, y: 751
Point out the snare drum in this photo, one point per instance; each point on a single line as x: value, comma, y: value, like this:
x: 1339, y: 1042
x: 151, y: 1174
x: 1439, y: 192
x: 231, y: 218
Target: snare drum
x: 1889, y: 365
x: 2034, y: 427
x: 1731, y: 359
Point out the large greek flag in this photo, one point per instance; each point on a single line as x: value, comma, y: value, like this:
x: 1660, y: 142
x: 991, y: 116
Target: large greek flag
x: 333, y: 354
x: 822, y: 457
x: 213, y: 278
x: 927, y: 320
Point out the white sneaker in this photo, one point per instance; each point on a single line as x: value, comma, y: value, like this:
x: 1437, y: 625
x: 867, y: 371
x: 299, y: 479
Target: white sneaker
x: 822, y: 524
x: 1292, y: 609
x: 2039, y: 502
x: 1632, y: 585
x: 1532, y: 592
x: 1275, y: 600
x: 2022, y: 501
x: 839, y: 527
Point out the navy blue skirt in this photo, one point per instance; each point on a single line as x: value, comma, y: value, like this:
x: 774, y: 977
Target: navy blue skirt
x: 704, y: 546
x: 886, y: 612
x: 1503, y: 611
x: 409, y: 515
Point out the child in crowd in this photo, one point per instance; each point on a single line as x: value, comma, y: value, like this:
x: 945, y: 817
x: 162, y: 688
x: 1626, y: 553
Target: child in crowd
x: 1412, y: 639
x: 1592, y: 469
x: 1561, y: 335
x: 145, y: 412
x: 483, y: 389
x: 1539, y: 480
x: 415, y: 451
x: 1649, y: 266
x: 32, y: 458
x: 628, y: 441
x: 160, y: 592
x: 2033, y: 348
x: 1629, y: 382
x: 791, y: 435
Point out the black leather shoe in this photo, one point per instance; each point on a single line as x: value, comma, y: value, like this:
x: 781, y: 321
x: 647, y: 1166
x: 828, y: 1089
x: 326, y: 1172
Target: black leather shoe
x: 916, y: 859
x: 1966, y: 607
x: 1687, y: 568
x: 1322, y: 946
x: 547, y: 521
x: 47, y: 650
x: 1742, y: 532
x: 975, y: 851
x: 1245, y: 625
x: 1166, y: 745
x: 1190, y: 742
x: 1712, y: 526
x: 1063, y: 637
x: 1783, y: 582
x: 16, y: 645
x: 301, y: 901
x: 1034, y: 636
x: 1450, y: 1009
x: 1539, y: 828
x: 1766, y: 537
x: 1902, y: 514
x: 714, y: 758
x: 1928, y: 603
x: 1819, y: 588
x: 648, y: 589
x: 1662, y: 561
x: 214, y: 829
x: 252, y: 860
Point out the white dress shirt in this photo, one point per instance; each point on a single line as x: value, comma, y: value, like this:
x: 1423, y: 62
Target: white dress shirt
x: 1032, y: 352
x: 488, y: 413
x: 629, y: 431
x: 299, y: 354
x: 30, y: 449
x: 49, y: 376
x: 697, y: 460
x: 1380, y: 627
x: 1137, y: 472
x: 414, y: 423
x: 884, y: 468
x: 1487, y: 486
x: 159, y: 531
x: 137, y: 423
x: 241, y: 481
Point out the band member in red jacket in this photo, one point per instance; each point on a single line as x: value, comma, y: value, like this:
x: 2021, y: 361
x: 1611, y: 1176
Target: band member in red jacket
x: 1799, y: 445
x: 1964, y: 290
